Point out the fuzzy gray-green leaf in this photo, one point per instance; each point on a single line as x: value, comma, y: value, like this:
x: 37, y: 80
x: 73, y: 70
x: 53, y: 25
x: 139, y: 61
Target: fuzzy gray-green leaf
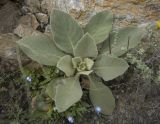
x: 123, y: 40
x: 41, y: 49
x: 101, y: 96
x: 89, y: 63
x: 68, y: 92
x: 86, y: 47
x: 66, y: 30
x: 51, y: 89
x: 109, y: 67
x: 76, y: 61
x: 65, y: 65
x: 85, y: 72
x: 100, y: 26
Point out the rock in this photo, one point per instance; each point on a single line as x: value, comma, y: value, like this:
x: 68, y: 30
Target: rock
x: 8, y: 46
x: 25, y: 9
x: 9, y: 15
x: 99, y: 2
x: 76, y: 4
x: 23, y: 30
x: 48, y: 31
x: 67, y: 5
x: 27, y: 25
x: 29, y: 20
x: 42, y: 18
x: 2, y: 2
x: 34, y: 5
x: 153, y: 9
x: 47, y: 6
x: 129, y: 17
x: 40, y: 6
x: 62, y: 5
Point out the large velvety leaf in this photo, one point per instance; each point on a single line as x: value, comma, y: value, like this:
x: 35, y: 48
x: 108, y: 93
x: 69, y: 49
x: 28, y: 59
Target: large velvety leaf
x: 86, y: 47
x: 109, y: 67
x: 68, y: 92
x: 66, y: 30
x: 41, y: 49
x: 65, y: 65
x: 51, y: 89
x: 123, y: 40
x: 101, y: 96
x: 100, y: 25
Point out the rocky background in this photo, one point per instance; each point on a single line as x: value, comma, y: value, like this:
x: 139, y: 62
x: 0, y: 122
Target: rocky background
x: 26, y: 17
x: 138, y: 99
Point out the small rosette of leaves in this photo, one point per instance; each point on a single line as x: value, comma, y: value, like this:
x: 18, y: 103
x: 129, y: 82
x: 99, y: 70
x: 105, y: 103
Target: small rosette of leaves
x: 74, y: 51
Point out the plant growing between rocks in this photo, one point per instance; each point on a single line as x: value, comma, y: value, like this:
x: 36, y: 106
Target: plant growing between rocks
x: 73, y: 50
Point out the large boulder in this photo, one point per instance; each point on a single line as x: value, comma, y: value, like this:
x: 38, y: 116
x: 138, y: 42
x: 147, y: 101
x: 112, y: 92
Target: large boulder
x: 2, y: 2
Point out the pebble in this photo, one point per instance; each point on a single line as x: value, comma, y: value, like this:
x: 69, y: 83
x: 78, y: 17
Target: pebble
x: 47, y: 6
x: 76, y: 4
x: 42, y: 18
x: 27, y: 25
x: 34, y: 5
x: 129, y: 17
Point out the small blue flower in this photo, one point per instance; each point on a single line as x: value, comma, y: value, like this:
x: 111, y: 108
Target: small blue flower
x: 71, y: 119
x: 29, y: 79
x: 98, y: 109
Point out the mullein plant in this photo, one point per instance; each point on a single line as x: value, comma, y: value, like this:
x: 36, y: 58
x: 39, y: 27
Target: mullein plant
x: 73, y: 50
